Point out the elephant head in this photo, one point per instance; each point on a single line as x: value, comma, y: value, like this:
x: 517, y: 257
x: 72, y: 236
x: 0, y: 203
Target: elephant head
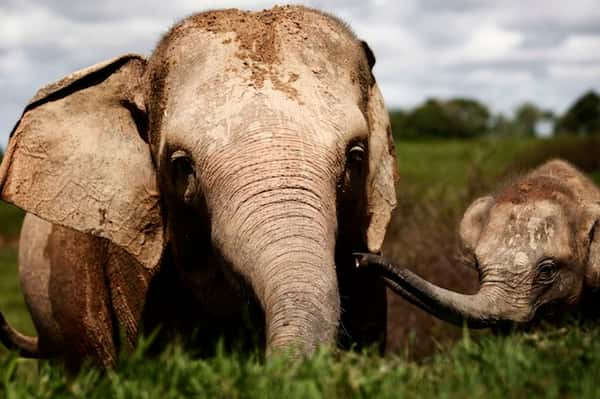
x: 248, y: 145
x: 535, y: 244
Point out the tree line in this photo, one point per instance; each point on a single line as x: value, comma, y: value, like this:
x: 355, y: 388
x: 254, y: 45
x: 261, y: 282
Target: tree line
x: 467, y: 118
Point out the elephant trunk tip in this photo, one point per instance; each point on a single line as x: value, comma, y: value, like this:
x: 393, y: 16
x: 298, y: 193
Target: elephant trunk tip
x: 363, y: 260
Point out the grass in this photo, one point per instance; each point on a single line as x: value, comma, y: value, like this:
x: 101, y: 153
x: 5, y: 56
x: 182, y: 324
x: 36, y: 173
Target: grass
x: 438, y: 179
x: 11, y: 299
x: 553, y: 363
x: 432, y: 168
x: 10, y: 220
x: 429, y: 169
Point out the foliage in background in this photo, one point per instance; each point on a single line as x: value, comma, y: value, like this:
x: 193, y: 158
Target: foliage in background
x: 468, y: 118
x: 456, y: 118
x: 11, y: 218
x: 583, y: 117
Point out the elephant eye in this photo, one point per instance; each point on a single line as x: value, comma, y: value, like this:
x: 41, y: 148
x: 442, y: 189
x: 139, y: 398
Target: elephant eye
x: 182, y: 164
x: 184, y: 175
x: 546, y: 271
x: 356, y: 155
x: 354, y: 169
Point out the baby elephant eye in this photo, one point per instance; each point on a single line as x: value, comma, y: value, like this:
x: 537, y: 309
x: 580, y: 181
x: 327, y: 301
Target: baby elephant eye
x: 546, y: 271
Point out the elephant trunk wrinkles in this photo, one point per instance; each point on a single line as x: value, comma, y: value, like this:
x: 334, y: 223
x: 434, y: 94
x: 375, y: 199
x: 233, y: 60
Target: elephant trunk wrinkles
x: 279, y: 229
x: 300, y: 299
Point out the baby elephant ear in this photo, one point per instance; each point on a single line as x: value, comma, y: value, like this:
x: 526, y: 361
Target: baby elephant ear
x: 76, y: 158
x: 473, y: 220
x: 592, y: 272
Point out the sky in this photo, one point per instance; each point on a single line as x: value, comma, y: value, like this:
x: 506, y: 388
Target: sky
x: 501, y: 52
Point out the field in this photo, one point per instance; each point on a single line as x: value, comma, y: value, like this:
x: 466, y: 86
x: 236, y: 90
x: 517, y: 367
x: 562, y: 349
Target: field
x: 429, y: 359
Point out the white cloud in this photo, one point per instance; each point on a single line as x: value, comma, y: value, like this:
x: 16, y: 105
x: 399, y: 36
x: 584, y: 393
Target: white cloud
x: 490, y: 42
x: 580, y: 47
x: 587, y: 73
x: 502, y: 52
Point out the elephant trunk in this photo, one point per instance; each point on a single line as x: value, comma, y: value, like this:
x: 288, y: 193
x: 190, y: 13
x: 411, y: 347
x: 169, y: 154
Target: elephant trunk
x: 300, y: 297
x: 293, y: 274
x: 479, y: 310
x: 277, y: 229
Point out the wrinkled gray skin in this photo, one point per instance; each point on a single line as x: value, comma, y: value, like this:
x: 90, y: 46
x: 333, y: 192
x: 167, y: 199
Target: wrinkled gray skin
x: 242, y: 163
x: 535, y: 244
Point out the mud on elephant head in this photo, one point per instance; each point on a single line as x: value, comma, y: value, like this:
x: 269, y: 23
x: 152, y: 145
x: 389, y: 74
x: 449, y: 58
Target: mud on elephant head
x: 535, y: 244
x: 251, y: 146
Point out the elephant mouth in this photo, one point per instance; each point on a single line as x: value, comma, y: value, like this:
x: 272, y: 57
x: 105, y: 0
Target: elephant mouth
x: 475, y: 311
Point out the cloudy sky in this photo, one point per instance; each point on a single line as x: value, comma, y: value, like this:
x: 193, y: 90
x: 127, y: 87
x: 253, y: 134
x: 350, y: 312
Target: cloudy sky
x: 503, y: 52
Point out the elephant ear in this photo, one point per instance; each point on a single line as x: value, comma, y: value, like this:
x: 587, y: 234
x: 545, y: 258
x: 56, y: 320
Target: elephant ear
x: 382, y: 175
x: 473, y: 220
x: 76, y: 158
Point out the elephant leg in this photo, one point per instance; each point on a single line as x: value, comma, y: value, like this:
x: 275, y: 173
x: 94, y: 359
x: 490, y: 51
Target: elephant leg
x: 80, y: 296
x: 34, y: 273
x: 129, y: 282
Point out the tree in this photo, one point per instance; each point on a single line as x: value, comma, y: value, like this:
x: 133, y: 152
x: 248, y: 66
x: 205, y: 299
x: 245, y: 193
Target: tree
x: 399, y: 126
x: 459, y: 117
x: 471, y: 118
x: 583, y: 117
x: 527, y: 116
x: 501, y: 125
x: 428, y: 119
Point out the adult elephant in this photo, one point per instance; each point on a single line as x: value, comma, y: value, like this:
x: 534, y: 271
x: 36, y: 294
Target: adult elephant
x: 244, y: 161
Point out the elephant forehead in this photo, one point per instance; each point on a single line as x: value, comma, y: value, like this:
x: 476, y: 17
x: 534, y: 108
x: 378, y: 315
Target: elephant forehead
x: 247, y: 114
x: 217, y: 99
x: 289, y: 53
x: 529, y: 230
x: 521, y: 259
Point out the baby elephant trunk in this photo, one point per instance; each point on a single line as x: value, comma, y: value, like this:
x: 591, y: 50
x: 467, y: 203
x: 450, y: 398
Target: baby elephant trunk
x: 479, y: 310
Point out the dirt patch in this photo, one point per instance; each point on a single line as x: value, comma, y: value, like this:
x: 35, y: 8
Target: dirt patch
x: 256, y: 34
x: 287, y: 87
x: 532, y: 189
x: 259, y: 37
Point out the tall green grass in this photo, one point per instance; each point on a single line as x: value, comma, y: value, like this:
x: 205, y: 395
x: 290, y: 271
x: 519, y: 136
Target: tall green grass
x: 551, y: 363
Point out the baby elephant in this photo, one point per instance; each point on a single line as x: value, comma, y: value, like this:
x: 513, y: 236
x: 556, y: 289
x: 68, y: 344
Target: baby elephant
x: 535, y: 243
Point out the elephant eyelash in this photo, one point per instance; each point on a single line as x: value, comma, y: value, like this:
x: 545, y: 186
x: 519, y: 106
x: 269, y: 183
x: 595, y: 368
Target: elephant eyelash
x: 184, y: 175
x: 546, y: 271
x: 356, y: 153
x: 182, y: 163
